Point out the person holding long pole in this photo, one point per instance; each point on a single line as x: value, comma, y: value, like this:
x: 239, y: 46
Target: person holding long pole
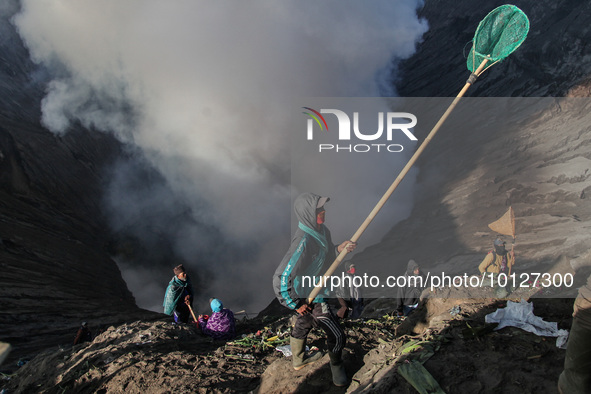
x: 500, y: 33
x: 311, y: 249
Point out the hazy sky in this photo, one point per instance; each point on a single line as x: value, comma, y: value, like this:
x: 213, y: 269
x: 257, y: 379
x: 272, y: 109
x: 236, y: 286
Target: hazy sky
x: 204, y: 90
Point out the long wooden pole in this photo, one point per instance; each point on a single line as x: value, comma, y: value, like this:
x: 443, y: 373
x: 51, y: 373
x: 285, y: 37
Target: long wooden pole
x: 394, y: 185
x: 192, y: 314
x: 512, y: 251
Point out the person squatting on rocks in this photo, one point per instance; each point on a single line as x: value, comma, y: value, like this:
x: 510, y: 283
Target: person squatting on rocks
x: 221, y: 324
x: 310, y: 254
x: 576, y: 377
x: 349, y: 295
x: 408, y: 296
x: 498, y: 261
x: 83, y: 334
x: 179, y: 296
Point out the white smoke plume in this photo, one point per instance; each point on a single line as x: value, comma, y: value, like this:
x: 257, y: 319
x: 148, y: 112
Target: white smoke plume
x: 203, y: 90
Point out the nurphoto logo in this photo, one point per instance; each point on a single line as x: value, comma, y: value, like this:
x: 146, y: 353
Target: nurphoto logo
x: 396, y: 122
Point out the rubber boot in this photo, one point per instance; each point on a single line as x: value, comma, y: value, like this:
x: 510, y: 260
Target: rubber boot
x: 339, y: 376
x: 299, y: 358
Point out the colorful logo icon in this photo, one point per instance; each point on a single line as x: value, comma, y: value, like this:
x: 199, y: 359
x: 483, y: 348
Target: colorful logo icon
x: 316, y: 115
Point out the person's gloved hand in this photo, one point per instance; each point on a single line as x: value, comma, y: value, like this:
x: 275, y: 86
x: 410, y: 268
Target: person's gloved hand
x: 304, y: 309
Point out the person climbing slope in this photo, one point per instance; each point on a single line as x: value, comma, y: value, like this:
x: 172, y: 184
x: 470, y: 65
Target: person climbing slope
x: 310, y: 253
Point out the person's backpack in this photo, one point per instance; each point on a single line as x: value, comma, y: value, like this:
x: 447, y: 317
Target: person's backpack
x: 504, y: 257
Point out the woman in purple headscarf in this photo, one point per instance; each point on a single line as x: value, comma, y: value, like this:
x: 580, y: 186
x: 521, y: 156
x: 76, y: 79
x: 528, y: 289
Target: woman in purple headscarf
x: 221, y: 323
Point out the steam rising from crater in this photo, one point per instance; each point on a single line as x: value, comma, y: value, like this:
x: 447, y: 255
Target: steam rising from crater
x: 202, y: 92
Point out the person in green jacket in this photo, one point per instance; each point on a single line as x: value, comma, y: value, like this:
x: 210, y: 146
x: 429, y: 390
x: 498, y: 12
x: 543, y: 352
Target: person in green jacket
x: 179, y: 296
x: 310, y: 254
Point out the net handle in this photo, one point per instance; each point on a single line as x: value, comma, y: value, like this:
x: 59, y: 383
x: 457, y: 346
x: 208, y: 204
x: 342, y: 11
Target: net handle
x: 394, y: 185
x: 477, y: 72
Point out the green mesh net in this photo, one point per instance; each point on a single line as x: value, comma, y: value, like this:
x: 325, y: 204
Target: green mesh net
x: 498, y: 35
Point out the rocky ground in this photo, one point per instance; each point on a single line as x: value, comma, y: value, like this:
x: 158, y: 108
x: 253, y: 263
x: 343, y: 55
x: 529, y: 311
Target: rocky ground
x: 448, y: 336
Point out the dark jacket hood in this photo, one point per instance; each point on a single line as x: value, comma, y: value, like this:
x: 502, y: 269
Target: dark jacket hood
x: 411, y: 266
x: 305, y: 208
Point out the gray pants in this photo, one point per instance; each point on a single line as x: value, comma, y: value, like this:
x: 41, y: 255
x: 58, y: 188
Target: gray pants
x: 500, y: 291
x: 321, y: 317
x: 576, y: 377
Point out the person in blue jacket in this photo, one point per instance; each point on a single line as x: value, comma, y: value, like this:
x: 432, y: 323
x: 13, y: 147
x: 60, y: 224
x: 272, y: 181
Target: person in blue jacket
x: 310, y: 254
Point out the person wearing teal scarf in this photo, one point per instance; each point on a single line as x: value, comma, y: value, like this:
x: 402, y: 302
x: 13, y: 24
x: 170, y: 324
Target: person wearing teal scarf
x: 310, y: 254
x: 179, y: 296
